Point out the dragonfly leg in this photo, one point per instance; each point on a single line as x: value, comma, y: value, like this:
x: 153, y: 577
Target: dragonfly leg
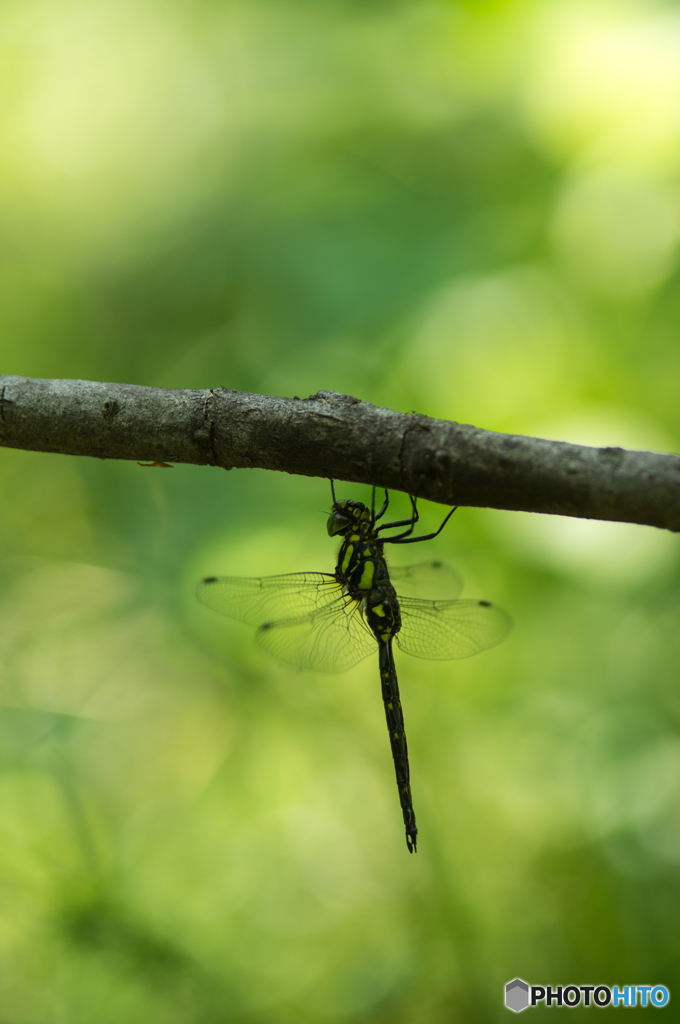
x: 383, y: 510
x: 404, y: 522
x: 395, y: 727
x: 405, y: 539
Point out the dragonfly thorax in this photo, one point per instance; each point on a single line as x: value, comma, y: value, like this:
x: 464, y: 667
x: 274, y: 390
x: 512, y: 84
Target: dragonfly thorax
x: 363, y: 572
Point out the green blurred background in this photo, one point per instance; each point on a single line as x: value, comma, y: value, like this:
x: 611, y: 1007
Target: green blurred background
x: 471, y: 209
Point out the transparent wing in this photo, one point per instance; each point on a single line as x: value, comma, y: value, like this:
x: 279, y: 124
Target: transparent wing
x: 332, y: 639
x: 260, y: 599
x: 304, y: 619
x: 432, y: 580
x: 450, y: 629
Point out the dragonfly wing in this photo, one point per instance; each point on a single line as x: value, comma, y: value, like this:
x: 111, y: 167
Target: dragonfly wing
x: 450, y: 629
x: 332, y: 639
x: 256, y: 600
x: 426, y: 579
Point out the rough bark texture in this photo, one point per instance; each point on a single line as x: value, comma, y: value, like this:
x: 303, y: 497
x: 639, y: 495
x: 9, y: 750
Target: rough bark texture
x: 334, y: 435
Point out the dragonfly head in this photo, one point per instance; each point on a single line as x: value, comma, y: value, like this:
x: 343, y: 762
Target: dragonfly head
x: 346, y: 515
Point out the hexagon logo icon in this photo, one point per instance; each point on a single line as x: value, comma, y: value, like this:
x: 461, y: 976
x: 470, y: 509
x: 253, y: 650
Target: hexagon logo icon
x: 517, y: 995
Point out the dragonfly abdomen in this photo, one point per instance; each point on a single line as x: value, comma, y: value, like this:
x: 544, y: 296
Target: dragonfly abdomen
x: 395, y: 727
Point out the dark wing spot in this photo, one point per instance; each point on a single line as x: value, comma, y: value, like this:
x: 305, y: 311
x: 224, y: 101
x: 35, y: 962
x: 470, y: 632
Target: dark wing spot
x: 210, y: 579
x: 265, y: 625
x: 436, y: 565
x: 485, y: 604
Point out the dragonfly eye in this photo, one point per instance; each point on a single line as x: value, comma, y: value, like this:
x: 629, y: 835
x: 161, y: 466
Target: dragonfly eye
x: 337, y: 522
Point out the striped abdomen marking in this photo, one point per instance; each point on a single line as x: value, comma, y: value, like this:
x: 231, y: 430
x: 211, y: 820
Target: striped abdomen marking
x: 395, y: 727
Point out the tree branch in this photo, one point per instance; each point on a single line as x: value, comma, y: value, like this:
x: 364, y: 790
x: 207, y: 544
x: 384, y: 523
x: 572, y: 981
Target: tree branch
x: 334, y: 435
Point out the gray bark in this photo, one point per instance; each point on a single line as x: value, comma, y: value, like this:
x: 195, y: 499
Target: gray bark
x: 337, y: 436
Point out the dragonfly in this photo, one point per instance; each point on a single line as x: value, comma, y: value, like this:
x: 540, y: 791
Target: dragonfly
x: 329, y: 622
